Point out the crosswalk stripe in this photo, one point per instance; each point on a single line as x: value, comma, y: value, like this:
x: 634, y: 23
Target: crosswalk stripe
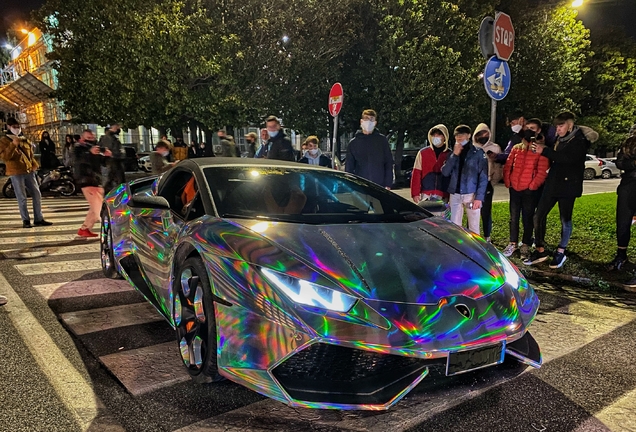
x: 620, y: 415
x: 73, y: 386
x: 584, y: 322
x: 52, y: 209
x: 16, y: 223
x: 7, y: 205
x: 82, y: 288
x: 47, y: 215
x: 59, y: 267
x: 22, y: 247
x: 146, y: 369
x: 40, y: 252
x: 18, y: 241
x: 53, y: 228
x: 93, y: 320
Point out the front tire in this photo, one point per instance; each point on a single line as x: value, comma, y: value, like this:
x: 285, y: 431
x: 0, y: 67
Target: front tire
x: 589, y: 174
x: 67, y: 188
x: 106, y: 247
x: 195, y: 321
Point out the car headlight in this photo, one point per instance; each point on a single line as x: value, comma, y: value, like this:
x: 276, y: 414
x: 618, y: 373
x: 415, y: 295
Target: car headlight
x: 309, y: 294
x: 512, y: 275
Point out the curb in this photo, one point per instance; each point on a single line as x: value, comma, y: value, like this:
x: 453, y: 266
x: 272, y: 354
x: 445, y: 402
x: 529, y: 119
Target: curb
x: 575, y: 279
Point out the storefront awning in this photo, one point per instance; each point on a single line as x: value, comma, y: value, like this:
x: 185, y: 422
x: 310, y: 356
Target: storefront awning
x: 25, y: 91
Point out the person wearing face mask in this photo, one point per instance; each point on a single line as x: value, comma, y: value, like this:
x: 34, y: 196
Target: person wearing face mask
x: 517, y: 124
x: 427, y: 181
x: 250, y: 140
x: 261, y: 152
x: 48, y: 159
x: 115, y: 173
x: 467, y: 168
x: 524, y: 175
x: 481, y: 140
x: 563, y: 186
x: 313, y: 155
x: 369, y: 154
x: 20, y: 163
x: 204, y: 150
x: 88, y: 162
x: 159, y: 158
x: 278, y: 145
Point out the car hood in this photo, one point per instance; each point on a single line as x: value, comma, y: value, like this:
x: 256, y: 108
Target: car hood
x: 418, y: 262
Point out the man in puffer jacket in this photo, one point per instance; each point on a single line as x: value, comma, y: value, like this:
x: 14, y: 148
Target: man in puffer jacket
x: 481, y: 140
x: 563, y: 186
x: 427, y: 181
x: 524, y: 175
x: 467, y: 168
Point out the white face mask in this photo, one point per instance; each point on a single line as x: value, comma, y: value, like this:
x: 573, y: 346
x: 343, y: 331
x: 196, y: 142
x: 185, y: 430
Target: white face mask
x: 463, y: 142
x: 164, y: 153
x: 437, y: 141
x: 516, y: 128
x: 367, y: 125
x: 15, y: 131
x: 272, y: 134
x: 313, y: 152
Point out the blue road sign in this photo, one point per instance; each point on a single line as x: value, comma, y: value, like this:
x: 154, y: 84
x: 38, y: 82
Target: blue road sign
x: 497, y: 78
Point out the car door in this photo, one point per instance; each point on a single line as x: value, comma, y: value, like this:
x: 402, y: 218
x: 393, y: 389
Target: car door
x: 156, y: 231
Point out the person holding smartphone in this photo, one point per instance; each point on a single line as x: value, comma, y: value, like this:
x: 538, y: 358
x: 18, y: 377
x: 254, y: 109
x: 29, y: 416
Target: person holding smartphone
x: 482, y: 140
x: 467, y: 168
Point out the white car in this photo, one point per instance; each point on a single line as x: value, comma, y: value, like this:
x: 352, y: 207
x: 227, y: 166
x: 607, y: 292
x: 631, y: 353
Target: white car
x: 593, y: 168
x: 610, y: 169
x: 145, y: 164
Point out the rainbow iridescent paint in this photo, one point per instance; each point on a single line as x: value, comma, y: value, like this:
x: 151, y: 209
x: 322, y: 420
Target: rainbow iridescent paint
x: 313, y: 313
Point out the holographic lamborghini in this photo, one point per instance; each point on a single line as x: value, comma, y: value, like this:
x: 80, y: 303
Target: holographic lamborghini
x: 311, y: 286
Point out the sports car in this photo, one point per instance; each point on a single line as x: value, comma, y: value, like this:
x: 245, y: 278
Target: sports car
x: 311, y: 286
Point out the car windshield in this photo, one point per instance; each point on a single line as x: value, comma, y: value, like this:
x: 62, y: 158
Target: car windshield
x: 305, y: 196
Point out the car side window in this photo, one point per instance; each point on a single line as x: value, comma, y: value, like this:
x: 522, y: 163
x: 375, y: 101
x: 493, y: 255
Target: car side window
x: 180, y: 191
x: 195, y: 208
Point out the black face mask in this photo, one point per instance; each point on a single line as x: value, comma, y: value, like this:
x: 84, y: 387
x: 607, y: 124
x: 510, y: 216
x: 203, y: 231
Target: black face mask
x: 529, y: 135
x: 483, y: 140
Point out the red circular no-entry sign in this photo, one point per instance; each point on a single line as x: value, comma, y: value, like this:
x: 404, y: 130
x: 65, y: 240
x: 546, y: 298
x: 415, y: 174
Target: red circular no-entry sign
x: 336, y: 97
x: 503, y: 36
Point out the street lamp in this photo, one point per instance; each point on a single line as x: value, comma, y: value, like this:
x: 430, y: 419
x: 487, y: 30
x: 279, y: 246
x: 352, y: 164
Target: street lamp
x: 31, y: 39
x: 577, y: 3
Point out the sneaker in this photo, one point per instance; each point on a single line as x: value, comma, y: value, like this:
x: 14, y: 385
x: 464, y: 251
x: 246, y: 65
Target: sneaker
x: 42, y: 223
x: 558, y: 260
x: 3, y: 300
x: 524, y: 251
x: 509, y: 250
x: 537, y: 257
x: 26, y: 224
x: 617, y: 263
x: 631, y: 283
x: 86, y: 233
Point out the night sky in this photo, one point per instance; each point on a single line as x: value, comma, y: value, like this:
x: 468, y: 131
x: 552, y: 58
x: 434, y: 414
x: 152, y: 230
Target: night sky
x: 596, y: 14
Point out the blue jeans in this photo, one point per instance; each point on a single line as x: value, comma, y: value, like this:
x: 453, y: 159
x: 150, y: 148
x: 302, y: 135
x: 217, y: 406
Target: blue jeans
x: 22, y: 182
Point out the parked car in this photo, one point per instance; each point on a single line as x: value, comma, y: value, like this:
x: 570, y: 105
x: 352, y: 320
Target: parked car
x: 610, y: 169
x: 593, y: 168
x: 313, y: 287
x: 145, y: 164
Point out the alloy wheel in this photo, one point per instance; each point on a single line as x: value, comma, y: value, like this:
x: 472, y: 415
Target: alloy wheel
x: 191, y: 320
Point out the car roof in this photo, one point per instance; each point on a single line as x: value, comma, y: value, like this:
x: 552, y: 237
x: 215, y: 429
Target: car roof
x: 210, y: 162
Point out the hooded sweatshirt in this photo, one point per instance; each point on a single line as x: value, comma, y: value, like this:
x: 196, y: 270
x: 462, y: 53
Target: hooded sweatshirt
x: 495, y: 170
x: 427, y: 172
x: 317, y: 159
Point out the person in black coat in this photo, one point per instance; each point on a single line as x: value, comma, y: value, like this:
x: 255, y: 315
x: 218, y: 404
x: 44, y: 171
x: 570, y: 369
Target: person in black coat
x: 278, y: 146
x: 48, y: 159
x: 625, y: 203
x: 563, y: 185
x: 313, y: 155
x: 369, y: 154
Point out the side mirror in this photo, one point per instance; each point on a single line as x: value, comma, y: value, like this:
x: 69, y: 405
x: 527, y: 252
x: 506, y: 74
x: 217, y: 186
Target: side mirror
x: 149, y: 202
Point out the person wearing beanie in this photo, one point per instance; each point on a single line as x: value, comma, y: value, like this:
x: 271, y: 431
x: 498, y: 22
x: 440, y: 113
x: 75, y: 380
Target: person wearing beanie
x: 563, y: 186
x: 467, y: 168
x: 427, y: 181
x: 481, y: 140
x: 625, y: 203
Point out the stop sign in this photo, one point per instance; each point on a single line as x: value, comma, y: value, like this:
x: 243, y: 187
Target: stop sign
x: 503, y: 36
x: 335, y: 99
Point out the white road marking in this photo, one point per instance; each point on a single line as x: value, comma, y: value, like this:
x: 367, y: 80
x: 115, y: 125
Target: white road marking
x: 93, y: 320
x: 15, y: 242
x: 83, y: 288
x: 59, y: 267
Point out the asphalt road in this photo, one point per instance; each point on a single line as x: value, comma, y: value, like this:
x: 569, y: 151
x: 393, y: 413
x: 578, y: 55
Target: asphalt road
x: 501, y: 192
x: 79, y: 352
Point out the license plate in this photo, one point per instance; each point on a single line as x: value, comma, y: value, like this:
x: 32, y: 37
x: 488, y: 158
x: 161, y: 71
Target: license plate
x: 469, y: 360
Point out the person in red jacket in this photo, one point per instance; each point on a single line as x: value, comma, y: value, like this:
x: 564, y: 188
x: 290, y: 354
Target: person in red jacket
x: 427, y: 181
x: 525, y: 172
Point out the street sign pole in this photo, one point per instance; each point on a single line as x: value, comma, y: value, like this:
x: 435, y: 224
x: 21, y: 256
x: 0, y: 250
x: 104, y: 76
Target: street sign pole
x: 336, y: 97
x: 493, y: 118
x: 334, y: 151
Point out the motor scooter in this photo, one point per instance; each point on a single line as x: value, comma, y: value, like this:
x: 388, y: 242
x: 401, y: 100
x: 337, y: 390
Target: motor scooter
x: 58, y: 181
